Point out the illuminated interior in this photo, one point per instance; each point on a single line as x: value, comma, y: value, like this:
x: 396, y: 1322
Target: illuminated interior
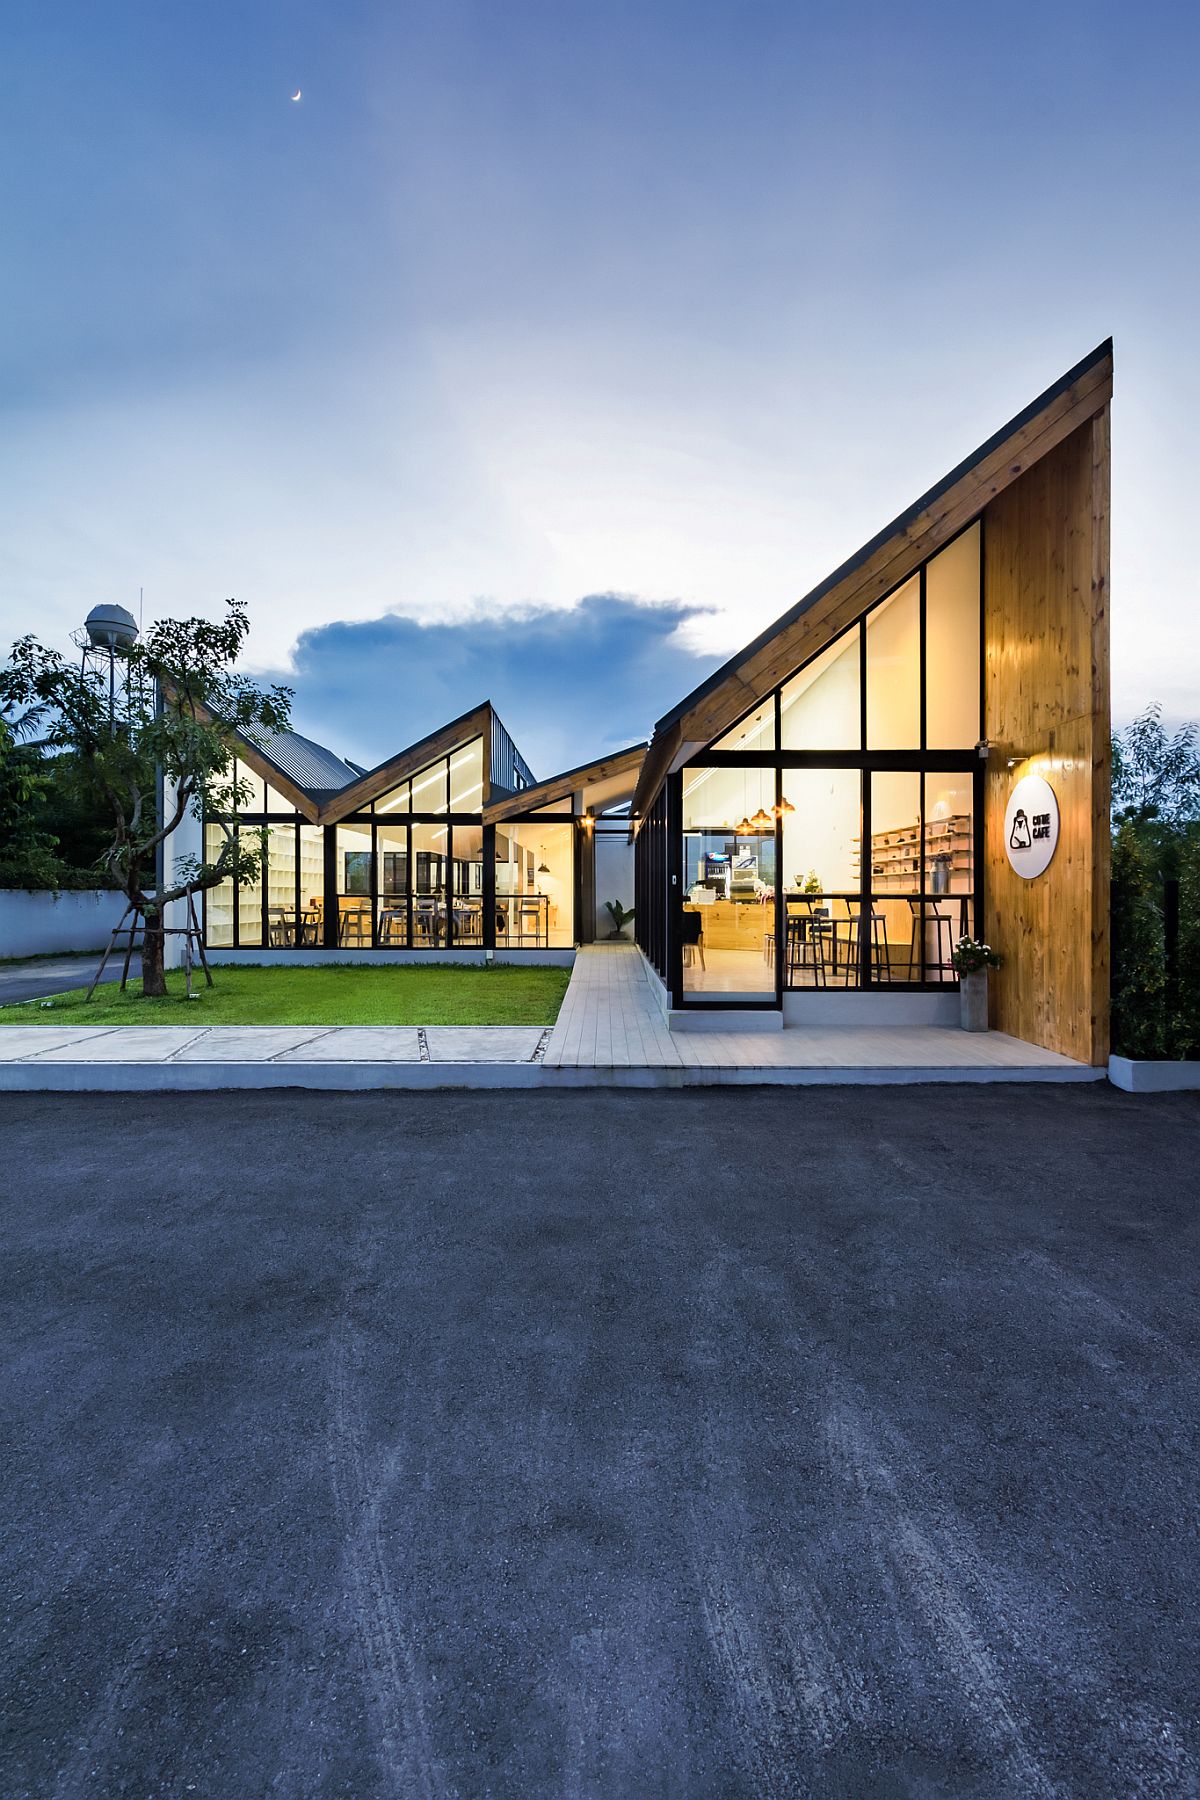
x: 777, y: 889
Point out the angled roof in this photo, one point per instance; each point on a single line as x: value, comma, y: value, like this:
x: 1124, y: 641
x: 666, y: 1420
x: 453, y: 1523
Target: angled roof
x: 395, y: 769
x: 309, y: 764
x: 880, y: 565
x: 618, y: 772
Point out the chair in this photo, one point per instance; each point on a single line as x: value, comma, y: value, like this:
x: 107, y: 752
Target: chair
x: 806, y: 934
x: 691, y: 936
x: 393, y: 926
x: 878, y: 950
x: 533, y: 907
x: 468, y: 922
x: 427, y: 919
x: 282, y: 924
x: 354, y: 920
x: 927, y: 921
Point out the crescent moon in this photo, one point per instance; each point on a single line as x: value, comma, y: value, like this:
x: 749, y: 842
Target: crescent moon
x: 296, y: 95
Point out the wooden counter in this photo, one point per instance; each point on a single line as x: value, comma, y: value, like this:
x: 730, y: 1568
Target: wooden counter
x: 735, y: 924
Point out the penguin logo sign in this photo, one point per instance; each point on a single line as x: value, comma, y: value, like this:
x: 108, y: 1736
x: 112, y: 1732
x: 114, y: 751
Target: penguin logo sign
x: 1031, y: 826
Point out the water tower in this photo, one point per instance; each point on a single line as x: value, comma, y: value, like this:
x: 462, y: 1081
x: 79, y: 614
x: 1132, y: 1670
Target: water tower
x: 108, y: 631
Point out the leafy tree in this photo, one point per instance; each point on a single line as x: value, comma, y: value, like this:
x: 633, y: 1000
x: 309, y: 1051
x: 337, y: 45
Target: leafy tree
x: 1156, y: 814
x: 27, y: 851
x: 1139, y: 965
x: 180, y: 704
x: 1156, y: 777
x: 1185, y: 1023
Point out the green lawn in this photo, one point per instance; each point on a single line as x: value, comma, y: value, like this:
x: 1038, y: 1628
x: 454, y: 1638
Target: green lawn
x: 342, y: 995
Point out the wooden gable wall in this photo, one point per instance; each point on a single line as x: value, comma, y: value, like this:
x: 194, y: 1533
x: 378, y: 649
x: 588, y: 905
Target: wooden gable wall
x: 1046, y: 599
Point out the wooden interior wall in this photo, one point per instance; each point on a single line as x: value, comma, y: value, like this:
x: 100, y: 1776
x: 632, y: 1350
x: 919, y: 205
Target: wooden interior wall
x: 1046, y: 596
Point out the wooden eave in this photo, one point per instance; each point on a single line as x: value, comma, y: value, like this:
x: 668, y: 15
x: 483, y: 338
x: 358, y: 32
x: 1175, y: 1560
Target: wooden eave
x: 360, y: 793
x: 559, y: 787
x: 872, y: 572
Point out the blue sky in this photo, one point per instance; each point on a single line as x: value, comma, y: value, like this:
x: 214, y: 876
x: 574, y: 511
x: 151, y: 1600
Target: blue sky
x: 523, y: 304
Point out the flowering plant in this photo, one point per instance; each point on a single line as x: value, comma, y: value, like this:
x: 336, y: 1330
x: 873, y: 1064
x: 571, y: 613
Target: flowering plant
x: 969, y: 957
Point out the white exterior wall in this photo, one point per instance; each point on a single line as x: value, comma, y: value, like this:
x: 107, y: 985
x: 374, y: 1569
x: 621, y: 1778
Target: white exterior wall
x: 40, y: 924
x: 614, y: 876
x: 186, y: 840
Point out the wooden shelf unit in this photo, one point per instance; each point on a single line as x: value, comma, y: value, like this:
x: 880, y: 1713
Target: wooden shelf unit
x: 896, y: 855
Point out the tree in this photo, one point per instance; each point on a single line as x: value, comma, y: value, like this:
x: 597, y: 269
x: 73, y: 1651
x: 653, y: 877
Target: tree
x: 1156, y: 777
x: 27, y: 852
x: 1156, y: 856
x: 167, y: 751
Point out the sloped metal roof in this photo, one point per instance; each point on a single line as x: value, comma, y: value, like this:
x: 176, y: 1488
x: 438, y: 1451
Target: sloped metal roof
x: 310, y: 765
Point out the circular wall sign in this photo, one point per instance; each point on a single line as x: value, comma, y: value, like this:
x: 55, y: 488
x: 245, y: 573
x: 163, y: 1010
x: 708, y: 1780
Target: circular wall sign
x: 1031, y: 826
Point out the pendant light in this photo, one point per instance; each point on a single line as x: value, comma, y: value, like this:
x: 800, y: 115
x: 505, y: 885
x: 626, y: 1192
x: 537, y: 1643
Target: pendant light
x: 761, y: 821
x: 743, y: 828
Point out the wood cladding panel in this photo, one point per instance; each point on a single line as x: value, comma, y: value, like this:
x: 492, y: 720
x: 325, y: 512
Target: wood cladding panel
x: 1046, y: 702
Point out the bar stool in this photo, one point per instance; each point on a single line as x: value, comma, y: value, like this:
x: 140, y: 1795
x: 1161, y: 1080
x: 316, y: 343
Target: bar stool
x: 880, y: 957
x: 806, y: 948
x: 926, y: 920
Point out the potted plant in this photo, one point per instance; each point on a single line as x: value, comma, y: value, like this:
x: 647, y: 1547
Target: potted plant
x: 972, y: 961
x: 619, y: 916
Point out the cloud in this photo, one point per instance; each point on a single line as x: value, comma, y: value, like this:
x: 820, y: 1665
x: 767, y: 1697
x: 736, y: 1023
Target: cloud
x: 569, y: 683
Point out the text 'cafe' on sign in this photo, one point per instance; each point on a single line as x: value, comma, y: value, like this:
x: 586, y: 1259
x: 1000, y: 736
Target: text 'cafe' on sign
x: 1031, y: 826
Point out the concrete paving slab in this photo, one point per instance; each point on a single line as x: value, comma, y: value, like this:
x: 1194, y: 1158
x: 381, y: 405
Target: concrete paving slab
x: 249, y: 1043
x: 359, y: 1043
x: 17, y: 1041
x: 127, y: 1044
x: 482, y: 1043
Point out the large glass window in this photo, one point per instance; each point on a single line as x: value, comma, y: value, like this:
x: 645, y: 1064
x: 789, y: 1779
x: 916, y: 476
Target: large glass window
x: 752, y: 735
x: 820, y: 708
x: 283, y: 924
x: 395, y: 801
x: 952, y: 650
x: 822, y: 847
x: 895, y: 873
x: 354, y: 876
x: 311, y: 846
x: 535, y: 885
x: 466, y: 778
x: 253, y: 789
x: 429, y: 789
x: 727, y: 918
x: 894, y: 671
x: 391, y: 856
x: 218, y: 901
x: 430, y: 848
x: 466, y: 913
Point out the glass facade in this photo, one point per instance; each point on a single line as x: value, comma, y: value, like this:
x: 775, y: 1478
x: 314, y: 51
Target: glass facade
x: 535, y: 884
x: 417, y: 869
x: 830, y: 838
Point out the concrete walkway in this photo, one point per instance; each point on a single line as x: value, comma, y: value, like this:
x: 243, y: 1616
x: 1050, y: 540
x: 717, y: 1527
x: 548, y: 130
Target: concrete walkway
x: 610, y: 1019
x: 610, y: 1032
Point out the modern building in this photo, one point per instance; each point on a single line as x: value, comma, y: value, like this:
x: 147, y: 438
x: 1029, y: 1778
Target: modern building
x: 920, y: 748
x: 450, y: 847
x: 917, y: 750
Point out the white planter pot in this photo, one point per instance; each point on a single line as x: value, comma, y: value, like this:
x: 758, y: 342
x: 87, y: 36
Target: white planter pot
x: 973, y: 1000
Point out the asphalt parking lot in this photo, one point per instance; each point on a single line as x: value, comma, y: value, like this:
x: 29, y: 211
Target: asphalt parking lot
x: 720, y: 1443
